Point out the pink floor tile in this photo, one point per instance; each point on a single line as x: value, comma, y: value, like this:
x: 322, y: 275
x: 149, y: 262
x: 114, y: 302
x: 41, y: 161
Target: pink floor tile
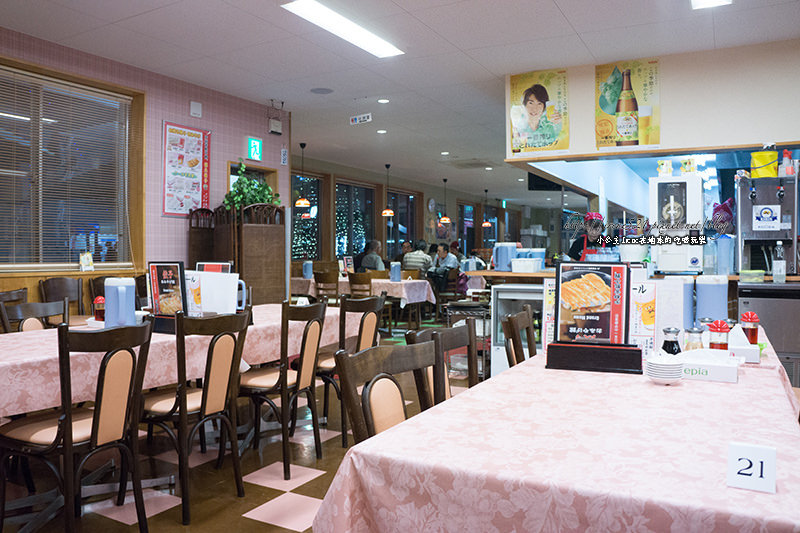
x: 290, y: 511
x: 154, y: 502
x: 305, y: 435
x: 195, y: 458
x: 272, y: 476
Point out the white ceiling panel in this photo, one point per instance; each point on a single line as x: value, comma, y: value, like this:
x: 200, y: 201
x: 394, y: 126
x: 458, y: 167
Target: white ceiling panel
x: 540, y: 54
x: 213, y: 74
x: 416, y: 5
x: 354, y: 83
x: 645, y: 40
x: 737, y: 28
x: 130, y: 47
x: 457, y: 97
x: 476, y: 24
x: 433, y: 71
x: 114, y: 11
x: 208, y: 26
x: 45, y: 20
x: 610, y: 14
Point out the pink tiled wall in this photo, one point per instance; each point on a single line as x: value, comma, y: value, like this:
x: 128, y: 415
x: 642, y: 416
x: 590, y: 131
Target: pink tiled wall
x: 230, y: 120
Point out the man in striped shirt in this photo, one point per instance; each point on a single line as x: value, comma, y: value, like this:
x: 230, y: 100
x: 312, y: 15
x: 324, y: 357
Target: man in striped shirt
x: 418, y: 259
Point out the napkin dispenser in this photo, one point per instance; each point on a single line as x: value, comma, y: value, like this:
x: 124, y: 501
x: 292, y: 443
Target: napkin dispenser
x: 711, y: 365
x: 120, y: 296
x: 395, y: 271
x: 740, y: 346
x: 308, y: 270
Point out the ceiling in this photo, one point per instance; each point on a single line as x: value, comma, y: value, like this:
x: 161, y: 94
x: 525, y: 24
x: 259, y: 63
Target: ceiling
x: 446, y: 92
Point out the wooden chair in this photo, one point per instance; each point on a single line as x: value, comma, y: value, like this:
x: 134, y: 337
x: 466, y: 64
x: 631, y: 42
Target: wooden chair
x: 449, y: 293
x: 378, y: 274
x: 327, y: 287
x: 370, y: 309
x: 30, y: 316
x: 56, y: 289
x: 216, y: 400
x: 387, y: 316
x: 18, y: 296
x: 263, y: 385
x: 360, y: 284
x: 517, y: 323
x: 445, y: 340
x: 97, y: 287
x: 363, y: 367
x: 58, y: 438
x: 507, y: 333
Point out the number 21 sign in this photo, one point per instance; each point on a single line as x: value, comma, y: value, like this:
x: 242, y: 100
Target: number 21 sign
x: 751, y: 466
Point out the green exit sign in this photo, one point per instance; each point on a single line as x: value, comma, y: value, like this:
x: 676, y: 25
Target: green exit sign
x: 254, y: 148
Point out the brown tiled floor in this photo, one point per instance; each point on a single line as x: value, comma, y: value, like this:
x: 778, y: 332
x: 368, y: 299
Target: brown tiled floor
x: 215, y: 506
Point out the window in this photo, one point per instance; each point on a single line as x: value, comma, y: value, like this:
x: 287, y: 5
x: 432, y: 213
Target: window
x: 63, y: 172
x: 466, y: 228
x: 490, y: 234
x: 305, y: 220
x: 401, y: 227
x: 354, y: 218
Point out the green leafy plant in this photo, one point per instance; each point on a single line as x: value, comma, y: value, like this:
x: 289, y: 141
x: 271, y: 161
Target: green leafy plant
x: 248, y: 189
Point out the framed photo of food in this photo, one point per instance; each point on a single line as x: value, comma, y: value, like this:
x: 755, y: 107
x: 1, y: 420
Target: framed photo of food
x: 592, y: 302
x: 168, y: 287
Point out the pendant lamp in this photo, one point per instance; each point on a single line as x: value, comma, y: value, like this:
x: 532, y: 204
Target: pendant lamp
x: 388, y: 211
x: 445, y: 219
x: 302, y: 202
x: 486, y: 223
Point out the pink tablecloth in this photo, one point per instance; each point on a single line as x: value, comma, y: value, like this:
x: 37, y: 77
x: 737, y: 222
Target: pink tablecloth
x: 534, y: 449
x: 302, y: 286
x: 409, y: 291
x: 29, y: 361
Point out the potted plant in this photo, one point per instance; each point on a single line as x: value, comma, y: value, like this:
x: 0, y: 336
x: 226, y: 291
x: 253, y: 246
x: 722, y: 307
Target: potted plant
x: 248, y: 190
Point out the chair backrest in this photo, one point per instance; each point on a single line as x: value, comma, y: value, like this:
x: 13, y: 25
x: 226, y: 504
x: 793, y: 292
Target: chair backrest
x: 360, y: 284
x: 382, y: 403
x: 378, y: 274
x: 358, y: 369
x: 119, y: 382
x: 519, y: 322
x: 509, y: 345
x: 314, y: 318
x: 97, y: 287
x: 18, y: 296
x: 413, y: 274
x: 31, y: 315
x: 56, y: 289
x: 327, y: 286
x: 370, y: 309
x: 141, y: 285
x: 445, y: 340
x: 228, y: 333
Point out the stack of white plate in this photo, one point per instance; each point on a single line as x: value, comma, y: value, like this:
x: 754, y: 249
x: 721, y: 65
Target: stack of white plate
x: 664, y: 369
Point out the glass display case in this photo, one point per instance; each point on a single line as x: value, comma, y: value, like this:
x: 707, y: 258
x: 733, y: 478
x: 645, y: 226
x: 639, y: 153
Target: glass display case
x: 507, y: 299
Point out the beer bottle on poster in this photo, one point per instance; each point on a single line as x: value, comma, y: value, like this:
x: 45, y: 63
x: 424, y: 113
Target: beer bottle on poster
x: 627, y: 114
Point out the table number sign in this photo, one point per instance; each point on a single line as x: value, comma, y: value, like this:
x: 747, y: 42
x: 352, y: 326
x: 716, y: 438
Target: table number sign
x: 751, y: 466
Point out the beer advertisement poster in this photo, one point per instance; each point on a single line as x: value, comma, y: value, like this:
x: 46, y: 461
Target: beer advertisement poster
x: 537, y: 117
x: 627, y: 110
x: 592, y: 302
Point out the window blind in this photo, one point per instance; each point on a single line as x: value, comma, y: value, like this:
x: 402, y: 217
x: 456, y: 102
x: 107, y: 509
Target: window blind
x: 63, y: 174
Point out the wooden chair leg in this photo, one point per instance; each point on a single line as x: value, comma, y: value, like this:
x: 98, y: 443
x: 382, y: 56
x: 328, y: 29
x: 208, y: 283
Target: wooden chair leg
x: 3, y: 474
x: 138, y: 497
x: 294, y: 400
x: 222, y: 445
x: 68, y: 474
x: 25, y: 466
x: 312, y: 404
x: 230, y: 425
x: 123, y: 476
x: 285, y: 410
x: 256, y: 423
x: 325, y: 395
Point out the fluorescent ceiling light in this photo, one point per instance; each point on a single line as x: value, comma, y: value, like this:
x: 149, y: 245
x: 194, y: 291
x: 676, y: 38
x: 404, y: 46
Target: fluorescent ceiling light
x: 488, y: 168
x: 520, y: 179
x: 445, y: 153
x: 330, y: 20
x: 383, y: 100
x: 17, y: 117
x: 702, y: 4
x: 381, y: 131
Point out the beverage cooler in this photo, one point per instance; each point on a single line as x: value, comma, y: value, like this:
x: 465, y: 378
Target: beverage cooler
x: 507, y: 299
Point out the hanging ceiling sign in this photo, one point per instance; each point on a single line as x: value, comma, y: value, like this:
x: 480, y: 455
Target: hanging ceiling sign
x: 361, y: 119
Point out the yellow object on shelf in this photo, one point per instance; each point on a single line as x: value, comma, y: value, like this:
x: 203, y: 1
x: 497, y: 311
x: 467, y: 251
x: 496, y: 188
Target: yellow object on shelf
x: 764, y: 164
x: 751, y: 276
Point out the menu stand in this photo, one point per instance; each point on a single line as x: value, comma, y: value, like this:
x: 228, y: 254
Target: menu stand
x: 620, y: 358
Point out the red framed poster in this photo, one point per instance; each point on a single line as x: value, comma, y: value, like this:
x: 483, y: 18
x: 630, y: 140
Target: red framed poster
x: 186, y: 169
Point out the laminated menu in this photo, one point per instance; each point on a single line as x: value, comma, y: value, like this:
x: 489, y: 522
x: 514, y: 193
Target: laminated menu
x: 592, y: 302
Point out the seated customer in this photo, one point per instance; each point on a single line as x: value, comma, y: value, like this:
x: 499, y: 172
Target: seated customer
x: 373, y: 261
x: 404, y: 249
x: 418, y: 259
x: 445, y: 262
x: 456, y: 251
x: 432, y: 251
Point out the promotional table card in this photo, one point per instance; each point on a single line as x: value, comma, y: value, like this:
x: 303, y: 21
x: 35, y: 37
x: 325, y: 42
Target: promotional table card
x: 548, y: 312
x: 642, y: 315
x: 711, y: 365
x: 168, y: 290
x: 752, y: 467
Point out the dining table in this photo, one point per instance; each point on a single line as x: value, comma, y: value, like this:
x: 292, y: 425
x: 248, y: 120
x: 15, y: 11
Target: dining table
x: 538, y: 449
x: 408, y: 291
x: 29, y: 379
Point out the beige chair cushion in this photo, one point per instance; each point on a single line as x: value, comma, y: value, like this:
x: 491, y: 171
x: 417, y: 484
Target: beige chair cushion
x: 386, y: 404
x: 160, y: 402
x: 796, y: 393
x: 327, y: 364
x: 42, y: 429
x: 266, y: 378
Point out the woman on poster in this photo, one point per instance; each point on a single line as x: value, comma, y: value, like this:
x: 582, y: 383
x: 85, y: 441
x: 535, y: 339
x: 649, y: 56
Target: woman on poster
x: 541, y: 128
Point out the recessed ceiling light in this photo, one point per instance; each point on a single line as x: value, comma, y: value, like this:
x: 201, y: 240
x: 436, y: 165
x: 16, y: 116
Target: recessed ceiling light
x: 383, y: 100
x: 330, y: 20
x: 548, y: 199
x: 445, y: 153
x: 520, y: 179
x: 381, y: 131
x: 702, y: 4
x: 321, y: 90
x: 488, y: 168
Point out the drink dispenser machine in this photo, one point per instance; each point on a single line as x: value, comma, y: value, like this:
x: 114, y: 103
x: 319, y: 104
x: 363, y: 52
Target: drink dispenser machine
x: 676, y: 210
x: 766, y: 212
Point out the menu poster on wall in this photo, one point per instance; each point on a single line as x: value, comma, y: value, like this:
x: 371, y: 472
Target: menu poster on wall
x: 537, y: 118
x: 627, y: 110
x: 186, y: 170
x: 167, y: 287
x: 592, y: 302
